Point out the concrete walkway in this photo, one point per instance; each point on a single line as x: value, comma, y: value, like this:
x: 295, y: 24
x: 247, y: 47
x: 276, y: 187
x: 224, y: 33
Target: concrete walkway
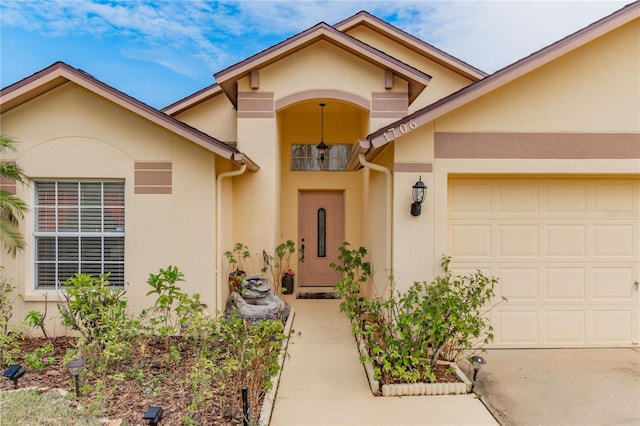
x: 324, y: 383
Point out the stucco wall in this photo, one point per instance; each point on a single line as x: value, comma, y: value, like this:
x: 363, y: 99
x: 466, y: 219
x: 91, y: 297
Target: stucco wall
x: 70, y: 133
x: 592, y: 89
x: 215, y: 117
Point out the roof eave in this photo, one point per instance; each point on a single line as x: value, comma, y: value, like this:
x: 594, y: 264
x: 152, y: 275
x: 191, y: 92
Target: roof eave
x: 413, y: 43
x: 193, y: 100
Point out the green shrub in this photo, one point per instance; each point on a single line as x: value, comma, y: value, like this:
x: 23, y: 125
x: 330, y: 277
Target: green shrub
x: 173, y: 309
x: 407, y: 334
x: 99, y: 312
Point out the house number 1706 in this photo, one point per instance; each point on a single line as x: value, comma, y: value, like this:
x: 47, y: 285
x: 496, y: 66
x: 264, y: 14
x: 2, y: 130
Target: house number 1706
x: 400, y: 130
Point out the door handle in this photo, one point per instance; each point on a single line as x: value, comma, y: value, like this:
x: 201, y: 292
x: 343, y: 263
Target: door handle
x: 302, y: 251
x: 636, y: 284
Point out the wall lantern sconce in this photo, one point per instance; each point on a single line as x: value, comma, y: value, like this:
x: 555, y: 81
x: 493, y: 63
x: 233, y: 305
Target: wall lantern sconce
x: 322, y: 147
x: 154, y: 415
x: 13, y: 373
x: 477, y: 362
x: 419, y: 191
x: 75, y: 366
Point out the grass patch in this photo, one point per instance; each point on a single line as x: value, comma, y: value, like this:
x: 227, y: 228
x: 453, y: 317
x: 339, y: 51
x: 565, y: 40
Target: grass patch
x: 30, y: 407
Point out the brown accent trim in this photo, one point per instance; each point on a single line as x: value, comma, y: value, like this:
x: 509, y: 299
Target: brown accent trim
x: 153, y: 165
x: 159, y: 190
x: 322, y: 94
x: 256, y: 105
x: 538, y: 145
x: 152, y: 177
x: 389, y: 104
x: 412, y: 43
x: 254, y: 114
x: 413, y: 167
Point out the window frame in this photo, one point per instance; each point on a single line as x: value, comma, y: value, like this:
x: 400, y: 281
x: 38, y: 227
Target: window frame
x: 117, y: 222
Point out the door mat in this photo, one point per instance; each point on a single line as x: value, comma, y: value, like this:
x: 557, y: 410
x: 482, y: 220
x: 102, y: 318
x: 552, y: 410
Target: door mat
x: 322, y: 295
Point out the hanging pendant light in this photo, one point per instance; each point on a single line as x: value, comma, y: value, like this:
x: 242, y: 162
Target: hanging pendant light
x: 322, y: 147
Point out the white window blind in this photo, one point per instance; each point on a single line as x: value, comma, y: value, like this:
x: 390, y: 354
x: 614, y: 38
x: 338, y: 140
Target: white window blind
x: 79, y: 229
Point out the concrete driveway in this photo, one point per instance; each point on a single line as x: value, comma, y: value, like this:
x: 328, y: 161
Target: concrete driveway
x: 562, y: 386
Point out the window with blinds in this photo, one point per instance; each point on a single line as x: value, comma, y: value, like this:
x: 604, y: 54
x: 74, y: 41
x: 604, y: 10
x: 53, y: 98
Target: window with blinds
x: 79, y: 228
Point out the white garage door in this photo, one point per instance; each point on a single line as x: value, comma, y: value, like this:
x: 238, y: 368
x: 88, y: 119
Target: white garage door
x: 567, y: 252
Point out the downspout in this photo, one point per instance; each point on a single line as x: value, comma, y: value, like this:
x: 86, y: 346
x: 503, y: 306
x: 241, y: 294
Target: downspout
x: 221, y: 176
x: 387, y: 173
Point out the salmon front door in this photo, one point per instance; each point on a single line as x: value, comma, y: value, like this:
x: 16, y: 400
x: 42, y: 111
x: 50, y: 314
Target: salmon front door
x: 320, y: 233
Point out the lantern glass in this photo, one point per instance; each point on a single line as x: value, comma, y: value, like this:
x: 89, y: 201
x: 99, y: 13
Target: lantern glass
x: 419, y: 190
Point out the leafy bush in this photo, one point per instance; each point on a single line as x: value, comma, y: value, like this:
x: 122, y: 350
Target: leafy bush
x: 407, y: 334
x: 99, y: 312
x: 173, y: 308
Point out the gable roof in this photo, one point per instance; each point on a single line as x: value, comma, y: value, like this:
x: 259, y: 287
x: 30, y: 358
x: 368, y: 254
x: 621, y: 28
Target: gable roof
x: 421, y: 47
x: 381, y: 137
x: 228, y: 77
x: 60, y: 73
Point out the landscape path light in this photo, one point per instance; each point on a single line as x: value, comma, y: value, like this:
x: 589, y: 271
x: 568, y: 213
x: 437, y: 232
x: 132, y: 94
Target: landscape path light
x: 477, y: 362
x: 13, y: 373
x: 75, y: 366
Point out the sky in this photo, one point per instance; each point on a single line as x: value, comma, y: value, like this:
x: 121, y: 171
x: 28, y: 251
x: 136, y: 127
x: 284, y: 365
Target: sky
x: 162, y: 51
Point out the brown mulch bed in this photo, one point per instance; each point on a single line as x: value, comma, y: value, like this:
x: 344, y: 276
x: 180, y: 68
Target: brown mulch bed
x: 128, y: 399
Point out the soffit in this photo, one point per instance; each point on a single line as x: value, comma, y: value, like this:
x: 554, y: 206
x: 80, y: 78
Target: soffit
x: 227, y: 79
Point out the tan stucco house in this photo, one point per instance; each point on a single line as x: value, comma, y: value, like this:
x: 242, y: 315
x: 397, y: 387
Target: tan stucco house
x: 532, y: 174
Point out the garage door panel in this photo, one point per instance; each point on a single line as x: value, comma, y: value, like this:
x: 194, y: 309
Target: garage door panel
x: 518, y: 284
x: 612, y: 326
x: 471, y: 198
x: 566, y: 240
x: 516, y: 327
x: 613, y: 240
x: 568, y: 197
x: 519, y: 198
x: 471, y: 240
x: 564, y: 284
x: 566, y: 264
x: 613, y: 284
x: 564, y: 326
x: 613, y: 197
x: 518, y: 240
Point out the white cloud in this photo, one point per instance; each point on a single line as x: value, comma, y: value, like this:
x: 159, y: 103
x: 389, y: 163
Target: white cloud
x: 487, y: 34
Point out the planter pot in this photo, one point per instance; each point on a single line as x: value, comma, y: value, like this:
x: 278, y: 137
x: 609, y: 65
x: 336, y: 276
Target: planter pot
x: 287, y: 284
x: 412, y: 389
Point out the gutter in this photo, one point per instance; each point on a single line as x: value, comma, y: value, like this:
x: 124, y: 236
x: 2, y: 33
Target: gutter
x: 387, y: 173
x: 218, y: 280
